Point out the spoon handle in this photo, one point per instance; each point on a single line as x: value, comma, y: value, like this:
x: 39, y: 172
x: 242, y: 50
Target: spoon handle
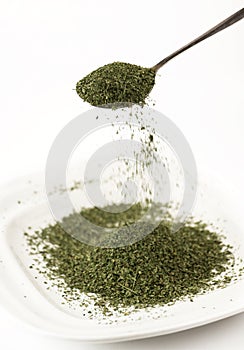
x: 222, y: 25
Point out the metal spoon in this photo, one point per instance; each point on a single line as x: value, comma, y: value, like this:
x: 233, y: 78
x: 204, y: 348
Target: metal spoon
x: 222, y: 25
x: 94, y: 82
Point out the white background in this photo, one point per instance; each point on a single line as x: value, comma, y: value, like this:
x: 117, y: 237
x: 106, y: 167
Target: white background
x: 46, y: 46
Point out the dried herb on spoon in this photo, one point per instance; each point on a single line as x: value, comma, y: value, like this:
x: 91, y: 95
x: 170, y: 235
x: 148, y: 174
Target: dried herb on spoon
x: 120, y: 82
x: 117, y: 82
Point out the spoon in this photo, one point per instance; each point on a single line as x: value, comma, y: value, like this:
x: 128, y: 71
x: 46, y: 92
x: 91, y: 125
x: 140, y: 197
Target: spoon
x: 123, y: 83
x: 222, y: 25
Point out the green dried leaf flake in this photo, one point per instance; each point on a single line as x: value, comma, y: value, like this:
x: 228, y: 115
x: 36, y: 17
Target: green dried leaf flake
x: 116, y: 83
x: 163, y: 267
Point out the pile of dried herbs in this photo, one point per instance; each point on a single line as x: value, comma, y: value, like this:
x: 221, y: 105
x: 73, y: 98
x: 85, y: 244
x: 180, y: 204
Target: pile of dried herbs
x: 116, y: 83
x: 163, y: 267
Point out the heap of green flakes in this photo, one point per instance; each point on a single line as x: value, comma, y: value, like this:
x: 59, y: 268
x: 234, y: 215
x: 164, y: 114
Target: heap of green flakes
x: 163, y: 267
x: 116, y: 83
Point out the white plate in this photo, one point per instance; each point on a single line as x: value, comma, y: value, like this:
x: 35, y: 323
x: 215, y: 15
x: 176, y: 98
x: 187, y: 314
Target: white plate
x: 28, y: 299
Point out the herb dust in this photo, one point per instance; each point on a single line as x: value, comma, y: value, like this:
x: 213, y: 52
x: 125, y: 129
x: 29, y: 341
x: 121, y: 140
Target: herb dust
x: 117, y: 83
x: 156, y: 270
x: 160, y: 269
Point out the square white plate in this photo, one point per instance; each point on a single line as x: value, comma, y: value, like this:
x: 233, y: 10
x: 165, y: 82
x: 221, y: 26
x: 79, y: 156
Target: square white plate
x: 23, y: 203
